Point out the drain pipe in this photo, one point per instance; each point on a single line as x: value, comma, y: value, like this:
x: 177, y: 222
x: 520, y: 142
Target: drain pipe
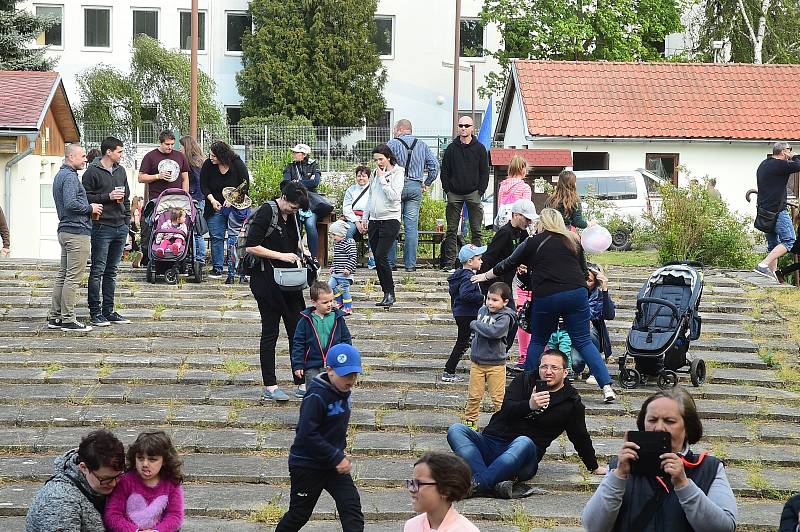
x: 9, y: 165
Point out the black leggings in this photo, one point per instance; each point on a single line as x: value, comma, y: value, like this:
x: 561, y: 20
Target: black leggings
x: 462, y: 342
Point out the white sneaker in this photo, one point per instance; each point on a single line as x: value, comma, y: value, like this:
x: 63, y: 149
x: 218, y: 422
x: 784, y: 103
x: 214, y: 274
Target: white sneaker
x: 591, y: 380
x: 608, y: 394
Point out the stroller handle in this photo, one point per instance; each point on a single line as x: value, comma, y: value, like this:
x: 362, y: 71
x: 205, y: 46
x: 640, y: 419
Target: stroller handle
x: 692, y: 263
x: 663, y: 302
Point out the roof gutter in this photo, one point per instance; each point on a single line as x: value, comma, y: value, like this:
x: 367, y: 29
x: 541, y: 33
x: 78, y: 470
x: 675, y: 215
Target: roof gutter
x: 32, y: 137
x: 534, y: 138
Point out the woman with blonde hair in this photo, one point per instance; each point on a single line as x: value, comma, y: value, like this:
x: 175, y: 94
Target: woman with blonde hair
x: 565, y: 200
x: 554, y: 257
x: 194, y: 154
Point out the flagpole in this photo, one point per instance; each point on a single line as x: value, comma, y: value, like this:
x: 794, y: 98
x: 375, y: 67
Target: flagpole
x: 193, y: 81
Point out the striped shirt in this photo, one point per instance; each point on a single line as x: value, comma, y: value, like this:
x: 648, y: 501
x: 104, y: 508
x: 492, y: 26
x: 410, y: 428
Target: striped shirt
x: 422, y: 158
x: 344, y: 257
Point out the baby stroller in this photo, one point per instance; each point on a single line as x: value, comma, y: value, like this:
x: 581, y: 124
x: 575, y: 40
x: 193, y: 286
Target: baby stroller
x: 666, y: 321
x: 170, y: 265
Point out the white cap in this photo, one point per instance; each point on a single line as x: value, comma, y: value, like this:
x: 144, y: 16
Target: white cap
x: 302, y: 148
x: 526, y: 208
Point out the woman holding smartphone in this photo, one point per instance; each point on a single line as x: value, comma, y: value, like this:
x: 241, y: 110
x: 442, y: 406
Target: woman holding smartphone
x: 693, y: 492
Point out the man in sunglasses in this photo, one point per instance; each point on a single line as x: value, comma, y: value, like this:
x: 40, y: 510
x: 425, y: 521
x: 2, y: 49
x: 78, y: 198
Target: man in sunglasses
x: 465, y: 177
x: 75, y: 496
x: 537, y: 408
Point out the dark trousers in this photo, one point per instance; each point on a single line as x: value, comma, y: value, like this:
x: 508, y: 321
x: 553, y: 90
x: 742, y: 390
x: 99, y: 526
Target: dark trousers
x: 382, y: 236
x: 307, y: 486
x: 108, y: 243
x: 462, y: 342
x: 274, y: 305
x: 452, y: 213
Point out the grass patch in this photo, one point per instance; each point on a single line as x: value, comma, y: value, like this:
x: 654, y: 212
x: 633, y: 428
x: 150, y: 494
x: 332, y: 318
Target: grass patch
x: 269, y: 513
x: 50, y: 369
x: 234, y: 367
x: 626, y: 258
x: 526, y: 522
x: 408, y: 282
x: 103, y: 369
x: 158, y: 310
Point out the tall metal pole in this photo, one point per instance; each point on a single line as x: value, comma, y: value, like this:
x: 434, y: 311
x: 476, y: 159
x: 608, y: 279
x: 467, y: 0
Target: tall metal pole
x: 456, y: 71
x: 472, y: 68
x: 193, y: 82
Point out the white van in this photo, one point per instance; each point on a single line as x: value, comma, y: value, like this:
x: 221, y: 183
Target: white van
x: 629, y: 193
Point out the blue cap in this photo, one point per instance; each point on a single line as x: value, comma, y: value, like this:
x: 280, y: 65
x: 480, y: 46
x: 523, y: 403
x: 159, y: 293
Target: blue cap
x: 469, y: 251
x: 344, y: 359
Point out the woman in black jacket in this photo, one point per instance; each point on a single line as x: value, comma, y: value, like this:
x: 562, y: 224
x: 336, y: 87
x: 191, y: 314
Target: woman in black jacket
x: 555, y: 260
x: 222, y: 169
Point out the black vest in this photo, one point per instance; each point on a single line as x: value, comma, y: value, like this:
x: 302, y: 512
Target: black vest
x: 668, y: 515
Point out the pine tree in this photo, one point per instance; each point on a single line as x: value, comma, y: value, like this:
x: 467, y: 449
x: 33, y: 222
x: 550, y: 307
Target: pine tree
x: 18, y: 30
x: 313, y: 58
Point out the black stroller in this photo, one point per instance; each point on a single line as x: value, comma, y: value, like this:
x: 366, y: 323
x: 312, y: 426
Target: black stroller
x: 667, y: 320
x: 170, y: 265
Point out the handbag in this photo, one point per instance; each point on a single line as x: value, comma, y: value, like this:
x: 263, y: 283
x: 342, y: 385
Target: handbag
x: 319, y: 204
x: 295, y: 278
x: 200, y: 222
x: 522, y: 317
x: 765, y: 220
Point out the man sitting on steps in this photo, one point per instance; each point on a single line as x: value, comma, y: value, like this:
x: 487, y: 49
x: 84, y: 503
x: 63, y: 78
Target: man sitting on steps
x: 516, y: 438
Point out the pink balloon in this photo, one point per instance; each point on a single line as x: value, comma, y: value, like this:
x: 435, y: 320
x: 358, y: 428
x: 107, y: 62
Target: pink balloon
x: 595, y: 239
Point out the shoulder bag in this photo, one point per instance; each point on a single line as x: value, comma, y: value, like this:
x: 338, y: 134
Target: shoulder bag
x: 765, y: 220
x: 291, y: 279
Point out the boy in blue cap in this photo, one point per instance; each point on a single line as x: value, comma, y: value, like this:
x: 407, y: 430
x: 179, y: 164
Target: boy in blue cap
x: 316, y: 458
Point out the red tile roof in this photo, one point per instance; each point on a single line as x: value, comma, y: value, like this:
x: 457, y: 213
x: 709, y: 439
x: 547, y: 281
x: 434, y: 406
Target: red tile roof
x: 23, y: 96
x: 666, y: 100
x: 540, y: 158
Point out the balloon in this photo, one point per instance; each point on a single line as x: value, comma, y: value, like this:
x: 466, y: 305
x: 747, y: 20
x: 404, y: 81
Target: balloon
x: 595, y: 239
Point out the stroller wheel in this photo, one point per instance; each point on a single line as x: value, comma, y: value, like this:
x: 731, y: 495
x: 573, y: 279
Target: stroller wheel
x: 667, y: 379
x: 697, y: 372
x: 629, y: 378
x: 151, y: 274
x: 171, y: 276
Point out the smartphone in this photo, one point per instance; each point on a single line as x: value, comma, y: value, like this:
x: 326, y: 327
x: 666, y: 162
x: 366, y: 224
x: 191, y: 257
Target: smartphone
x: 541, y: 386
x: 652, y: 444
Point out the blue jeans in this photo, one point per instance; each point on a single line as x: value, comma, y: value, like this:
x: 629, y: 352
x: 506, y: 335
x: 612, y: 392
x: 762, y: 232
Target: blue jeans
x: 108, y: 243
x: 784, y: 232
x: 578, y: 364
x: 310, y: 223
x: 231, y: 258
x: 491, y: 459
x: 341, y: 290
x: 217, y: 224
x: 199, y: 240
x: 410, y: 199
x: 573, y: 306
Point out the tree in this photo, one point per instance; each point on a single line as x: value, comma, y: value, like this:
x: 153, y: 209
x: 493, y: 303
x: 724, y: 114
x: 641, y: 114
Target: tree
x: 159, y: 80
x: 579, y: 30
x: 313, y: 58
x: 757, y: 31
x: 20, y: 28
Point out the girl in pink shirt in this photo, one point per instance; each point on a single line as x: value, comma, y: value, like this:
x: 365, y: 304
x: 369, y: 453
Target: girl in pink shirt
x: 440, y: 479
x: 149, y: 497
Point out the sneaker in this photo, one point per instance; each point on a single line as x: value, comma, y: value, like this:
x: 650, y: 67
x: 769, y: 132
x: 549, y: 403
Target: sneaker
x: 75, y: 326
x: 116, y: 318
x: 765, y: 271
x: 451, y: 377
x: 98, y: 320
x: 348, y: 312
x: 504, y: 489
x: 243, y: 279
x: 215, y: 273
x: 54, y: 323
x: 229, y: 279
x: 371, y: 263
x: 591, y: 380
x: 608, y: 394
x: 277, y: 395
x: 472, y: 424
x: 300, y: 391
x: 571, y: 374
x: 412, y: 269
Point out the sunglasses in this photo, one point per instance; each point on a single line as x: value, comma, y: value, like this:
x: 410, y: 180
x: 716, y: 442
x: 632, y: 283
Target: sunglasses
x: 464, y: 125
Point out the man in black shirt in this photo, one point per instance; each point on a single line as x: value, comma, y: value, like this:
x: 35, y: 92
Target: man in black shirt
x: 771, y: 178
x: 516, y: 438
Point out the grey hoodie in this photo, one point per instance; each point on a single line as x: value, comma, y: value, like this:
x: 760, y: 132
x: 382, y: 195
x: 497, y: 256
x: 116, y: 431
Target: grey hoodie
x: 60, y: 504
x: 489, y: 340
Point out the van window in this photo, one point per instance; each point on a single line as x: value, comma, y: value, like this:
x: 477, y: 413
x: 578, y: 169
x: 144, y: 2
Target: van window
x: 585, y: 185
x: 653, y: 186
x: 617, y: 188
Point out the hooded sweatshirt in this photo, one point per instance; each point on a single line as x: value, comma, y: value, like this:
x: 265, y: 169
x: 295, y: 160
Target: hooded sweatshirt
x: 466, y: 297
x: 72, y: 207
x: 384, y: 195
x: 489, y: 341
x: 99, y: 183
x: 321, y: 433
x: 62, y: 505
x: 465, y: 167
x: 307, y: 349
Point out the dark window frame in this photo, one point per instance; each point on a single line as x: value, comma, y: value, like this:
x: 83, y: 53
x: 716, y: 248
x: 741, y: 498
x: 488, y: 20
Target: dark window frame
x: 239, y: 14
x: 56, y: 27
x: 201, y: 23
x: 97, y: 9
x: 676, y: 162
x: 145, y: 11
x: 391, y: 20
x: 480, y: 50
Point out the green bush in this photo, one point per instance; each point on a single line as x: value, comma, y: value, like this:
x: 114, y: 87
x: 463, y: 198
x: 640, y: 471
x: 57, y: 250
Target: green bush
x: 267, y: 173
x: 429, y: 211
x: 691, y: 225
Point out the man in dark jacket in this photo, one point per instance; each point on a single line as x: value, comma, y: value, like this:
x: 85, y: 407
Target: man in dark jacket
x: 465, y: 176
x: 106, y: 182
x: 306, y: 171
x: 516, y: 438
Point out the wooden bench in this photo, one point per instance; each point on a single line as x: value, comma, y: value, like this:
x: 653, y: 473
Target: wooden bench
x: 434, y: 238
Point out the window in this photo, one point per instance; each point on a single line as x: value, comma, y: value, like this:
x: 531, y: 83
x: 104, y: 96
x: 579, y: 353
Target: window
x: 607, y: 188
x: 46, y: 200
x: 238, y: 25
x: 384, y: 36
x: 478, y: 119
x: 590, y: 160
x: 664, y: 165
x: 97, y: 28
x: 471, y: 38
x: 54, y: 36
x: 186, y: 30
x: 233, y: 115
x: 145, y: 23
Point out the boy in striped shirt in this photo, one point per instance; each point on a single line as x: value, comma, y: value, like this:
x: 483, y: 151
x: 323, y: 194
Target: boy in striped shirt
x: 344, y: 265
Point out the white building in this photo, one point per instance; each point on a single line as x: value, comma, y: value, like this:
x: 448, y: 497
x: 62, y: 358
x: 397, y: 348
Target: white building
x: 416, y: 37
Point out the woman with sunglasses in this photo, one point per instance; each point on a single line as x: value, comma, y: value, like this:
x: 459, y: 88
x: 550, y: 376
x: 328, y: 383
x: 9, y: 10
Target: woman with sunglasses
x: 440, y: 479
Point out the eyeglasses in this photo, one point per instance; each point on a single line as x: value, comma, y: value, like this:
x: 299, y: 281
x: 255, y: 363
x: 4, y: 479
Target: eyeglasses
x: 545, y: 367
x: 413, y: 485
x: 464, y: 125
x: 106, y: 481
x: 788, y: 149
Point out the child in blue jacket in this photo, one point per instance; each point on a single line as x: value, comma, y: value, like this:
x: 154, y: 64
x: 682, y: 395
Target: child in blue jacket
x: 320, y: 327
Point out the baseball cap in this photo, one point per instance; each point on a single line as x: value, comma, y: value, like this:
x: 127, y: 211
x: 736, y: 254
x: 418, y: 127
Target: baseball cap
x: 302, y: 148
x: 469, y: 251
x: 344, y: 359
x: 526, y: 208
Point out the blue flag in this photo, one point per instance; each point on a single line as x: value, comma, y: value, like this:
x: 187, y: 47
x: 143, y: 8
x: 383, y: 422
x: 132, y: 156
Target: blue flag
x: 485, y: 134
